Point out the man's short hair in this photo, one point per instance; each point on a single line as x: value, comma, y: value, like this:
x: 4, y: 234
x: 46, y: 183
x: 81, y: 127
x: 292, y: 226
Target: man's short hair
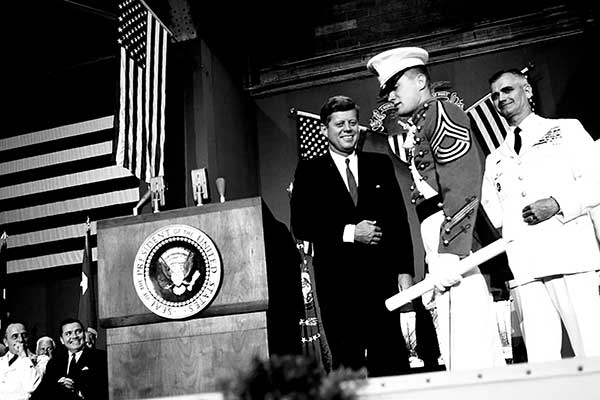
x: 335, y: 104
x: 67, y: 321
x: 512, y: 71
x: 9, y: 323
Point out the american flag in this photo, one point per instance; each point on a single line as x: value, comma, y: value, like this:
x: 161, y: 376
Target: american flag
x: 51, y: 181
x: 311, y: 143
x: 488, y: 126
x: 141, y: 120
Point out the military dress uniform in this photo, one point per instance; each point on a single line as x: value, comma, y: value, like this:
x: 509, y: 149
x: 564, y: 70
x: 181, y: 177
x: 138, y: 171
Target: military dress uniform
x: 447, y: 177
x: 553, y: 262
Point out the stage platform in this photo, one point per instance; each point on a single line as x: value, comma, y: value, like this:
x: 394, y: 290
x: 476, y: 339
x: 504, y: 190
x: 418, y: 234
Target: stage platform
x: 573, y: 379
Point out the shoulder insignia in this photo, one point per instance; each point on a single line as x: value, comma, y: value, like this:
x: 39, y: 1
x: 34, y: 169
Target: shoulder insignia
x: 450, y: 141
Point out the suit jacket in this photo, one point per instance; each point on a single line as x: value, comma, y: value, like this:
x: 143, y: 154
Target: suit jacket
x: 90, y: 375
x: 321, y: 207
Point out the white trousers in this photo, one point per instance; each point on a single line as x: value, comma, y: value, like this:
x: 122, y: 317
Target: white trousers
x: 468, y: 330
x: 542, y: 304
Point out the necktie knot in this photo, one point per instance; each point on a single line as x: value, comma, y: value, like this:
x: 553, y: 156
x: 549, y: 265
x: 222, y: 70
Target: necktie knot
x: 517, y: 139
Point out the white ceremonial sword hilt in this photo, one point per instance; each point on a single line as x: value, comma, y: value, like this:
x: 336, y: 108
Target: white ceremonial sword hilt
x: 465, y: 265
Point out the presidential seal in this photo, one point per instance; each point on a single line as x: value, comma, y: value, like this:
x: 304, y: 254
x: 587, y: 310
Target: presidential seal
x: 177, y: 271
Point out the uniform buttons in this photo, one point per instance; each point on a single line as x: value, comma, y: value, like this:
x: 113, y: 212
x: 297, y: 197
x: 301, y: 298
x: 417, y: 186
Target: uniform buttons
x: 412, y: 187
x: 448, y: 218
x: 419, y: 127
x: 421, y: 153
x: 426, y: 105
x: 440, y: 205
x: 418, y: 140
x: 446, y: 242
x: 447, y: 230
x: 424, y: 115
x: 413, y: 201
x: 523, y: 194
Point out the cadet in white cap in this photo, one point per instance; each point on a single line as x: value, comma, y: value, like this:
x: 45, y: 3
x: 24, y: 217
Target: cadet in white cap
x: 447, y: 177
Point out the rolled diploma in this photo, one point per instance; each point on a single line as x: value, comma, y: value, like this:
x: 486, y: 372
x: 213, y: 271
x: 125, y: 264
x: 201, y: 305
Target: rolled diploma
x: 465, y: 265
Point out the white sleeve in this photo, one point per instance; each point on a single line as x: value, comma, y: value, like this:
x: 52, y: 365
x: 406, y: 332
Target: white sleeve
x: 489, y: 197
x: 28, y: 374
x: 584, y: 192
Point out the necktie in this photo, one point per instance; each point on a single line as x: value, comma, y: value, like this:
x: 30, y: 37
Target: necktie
x: 352, y: 187
x: 71, y: 367
x: 517, y: 140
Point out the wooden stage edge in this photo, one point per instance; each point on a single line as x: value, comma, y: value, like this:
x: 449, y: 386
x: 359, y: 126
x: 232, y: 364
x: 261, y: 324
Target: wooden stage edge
x: 574, y: 378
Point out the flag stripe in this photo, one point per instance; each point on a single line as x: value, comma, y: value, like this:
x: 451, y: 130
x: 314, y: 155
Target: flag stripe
x: 60, y: 220
x: 160, y: 159
x: 67, y: 206
x: 61, y: 182
x: 54, y: 169
x: 50, y: 135
x: 67, y: 259
x: 66, y: 192
x: 19, y: 153
x: 47, y: 248
x: 63, y: 232
x: 47, y: 193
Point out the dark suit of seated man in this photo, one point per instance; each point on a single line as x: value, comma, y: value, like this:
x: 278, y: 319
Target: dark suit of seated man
x: 350, y: 207
x: 75, y: 371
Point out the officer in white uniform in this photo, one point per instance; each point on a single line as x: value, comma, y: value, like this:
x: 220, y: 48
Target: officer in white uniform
x: 539, y: 186
x: 447, y: 174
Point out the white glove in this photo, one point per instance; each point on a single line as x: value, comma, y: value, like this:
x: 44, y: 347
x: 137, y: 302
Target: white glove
x: 443, y: 270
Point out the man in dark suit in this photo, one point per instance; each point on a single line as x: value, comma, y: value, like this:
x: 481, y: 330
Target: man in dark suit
x: 75, y: 371
x: 350, y: 207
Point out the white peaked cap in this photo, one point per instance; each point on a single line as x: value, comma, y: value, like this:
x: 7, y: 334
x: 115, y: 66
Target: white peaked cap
x: 387, y: 64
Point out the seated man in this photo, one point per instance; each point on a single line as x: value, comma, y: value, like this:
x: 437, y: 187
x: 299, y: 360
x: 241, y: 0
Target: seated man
x: 44, y: 348
x: 18, y: 375
x: 75, y: 371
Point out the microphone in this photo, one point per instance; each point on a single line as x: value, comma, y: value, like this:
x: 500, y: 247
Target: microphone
x: 221, y: 189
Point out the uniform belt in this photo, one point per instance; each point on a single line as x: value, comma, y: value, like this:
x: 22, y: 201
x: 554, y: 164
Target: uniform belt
x: 428, y: 207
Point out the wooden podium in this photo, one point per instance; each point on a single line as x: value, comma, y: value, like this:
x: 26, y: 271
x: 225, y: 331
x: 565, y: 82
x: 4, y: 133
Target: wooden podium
x: 255, y: 312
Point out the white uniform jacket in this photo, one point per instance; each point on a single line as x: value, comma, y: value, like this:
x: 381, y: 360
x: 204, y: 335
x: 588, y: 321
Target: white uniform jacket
x: 557, y: 160
x: 18, y: 380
